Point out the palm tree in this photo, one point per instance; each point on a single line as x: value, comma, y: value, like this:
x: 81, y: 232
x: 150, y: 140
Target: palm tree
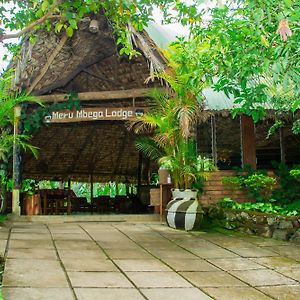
x: 169, y: 140
x: 8, y: 101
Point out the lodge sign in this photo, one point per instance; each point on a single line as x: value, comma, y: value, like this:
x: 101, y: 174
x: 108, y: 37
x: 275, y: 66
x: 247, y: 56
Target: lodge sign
x: 94, y: 114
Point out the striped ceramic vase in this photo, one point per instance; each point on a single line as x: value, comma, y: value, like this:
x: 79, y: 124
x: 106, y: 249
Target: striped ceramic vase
x: 184, y: 211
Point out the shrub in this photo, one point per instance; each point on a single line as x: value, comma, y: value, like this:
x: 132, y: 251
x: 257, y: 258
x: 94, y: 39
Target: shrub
x: 288, y: 191
x: 259, y: 185
x: 270, y: 208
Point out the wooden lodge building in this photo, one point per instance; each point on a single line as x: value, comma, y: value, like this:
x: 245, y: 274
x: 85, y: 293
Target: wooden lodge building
x: 94, y: 144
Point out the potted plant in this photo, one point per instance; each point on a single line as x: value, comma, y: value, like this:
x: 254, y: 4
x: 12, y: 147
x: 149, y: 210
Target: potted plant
x: 31, y: 198
x: 170, y: 141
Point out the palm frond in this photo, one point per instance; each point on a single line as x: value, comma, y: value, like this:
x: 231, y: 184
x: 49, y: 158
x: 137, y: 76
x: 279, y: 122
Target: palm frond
x: 149, y: 147
x: 8, y: 101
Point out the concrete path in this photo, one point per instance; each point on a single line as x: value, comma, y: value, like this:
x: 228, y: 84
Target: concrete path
x: 126, y: 261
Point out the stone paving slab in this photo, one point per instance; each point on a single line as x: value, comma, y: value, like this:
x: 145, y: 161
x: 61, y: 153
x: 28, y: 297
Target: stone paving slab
x: 212, y: 279
x: 253, y: 252
x: 3, y: 235
x: 141, y: 265
x: 87, y: 264
x: 108, y: 294
x: 263, y: 277
x: 99, y: 279
x: 128, y: 254
x: 113, y: 261
x: 29, y: 244
x: 235, y: 264
x: 33, y: 273
x: 290, y: 272
x: 157, y: 279
x: 236, y: 293
x: 30, y: 236
x: 175, y: 294
x: 38, y: 293
x: 76, y: 245
x: 277, y: 262
x: 286, y: 292
x: 3, y: 244
x: 286, y: 250
x: 70, y: 236
x: 32, y: 253
x: 199, y: 264
x: 213, y: 252
x: 96, y: 254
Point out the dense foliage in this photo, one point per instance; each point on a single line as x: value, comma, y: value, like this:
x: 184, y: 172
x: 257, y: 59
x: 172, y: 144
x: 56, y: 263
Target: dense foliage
x: 247, y: 49
x: 288, y: 191
x: 269, y: 207
x: 64, y: 15
x: 259, y: 185
x: 280, y: 195
x: 8, y: 101
x: 250, y: 51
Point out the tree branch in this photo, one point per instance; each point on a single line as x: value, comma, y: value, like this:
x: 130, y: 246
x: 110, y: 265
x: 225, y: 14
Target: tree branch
x: 48, y: 15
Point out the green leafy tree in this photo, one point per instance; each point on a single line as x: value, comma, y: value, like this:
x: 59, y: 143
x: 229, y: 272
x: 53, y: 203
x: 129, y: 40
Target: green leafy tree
x: 64, y: 15
x: 249, y: 50
x: 170, y: 125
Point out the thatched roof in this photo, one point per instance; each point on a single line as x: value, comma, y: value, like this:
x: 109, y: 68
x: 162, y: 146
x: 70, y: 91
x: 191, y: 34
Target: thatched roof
x: 85, y: 51
x: 87, y: 62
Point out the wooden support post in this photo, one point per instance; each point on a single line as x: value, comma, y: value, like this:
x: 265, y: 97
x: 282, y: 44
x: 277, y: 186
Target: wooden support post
x: 282, y: 145
x: 139, y: 174
x: 214, y: 152
x: 17, y: 161
x: 117, y: 188
x: 127, y: 188
x: 248, y: 145
x: 69, y: 208
x: 92, y: 191
x: 161, y: 195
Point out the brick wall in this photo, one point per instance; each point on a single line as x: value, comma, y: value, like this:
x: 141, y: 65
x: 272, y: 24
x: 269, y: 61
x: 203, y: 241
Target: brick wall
x: 215, y: 190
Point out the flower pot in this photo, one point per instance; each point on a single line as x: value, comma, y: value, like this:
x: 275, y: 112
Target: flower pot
x: 187, y: 193
x: 184, y: 210
x: 33, y: 204
x: 154, y: 197
x: 164, y: 176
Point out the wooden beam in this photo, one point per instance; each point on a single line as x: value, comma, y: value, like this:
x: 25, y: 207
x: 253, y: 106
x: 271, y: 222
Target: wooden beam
x: 139, y: 172
x: 214, y: 152
x: 282, y: 145
x: 103, y: 95
x: 248, y: 144
x: 17, y: 161
x: 92, y: 193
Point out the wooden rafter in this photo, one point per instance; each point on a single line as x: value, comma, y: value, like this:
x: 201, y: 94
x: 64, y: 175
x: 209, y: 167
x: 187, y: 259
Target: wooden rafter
x: 48, y: 63
x: 64, y: 81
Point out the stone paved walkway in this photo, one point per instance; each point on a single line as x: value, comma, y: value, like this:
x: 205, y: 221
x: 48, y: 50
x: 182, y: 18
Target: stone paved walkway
x: 126, y: 261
